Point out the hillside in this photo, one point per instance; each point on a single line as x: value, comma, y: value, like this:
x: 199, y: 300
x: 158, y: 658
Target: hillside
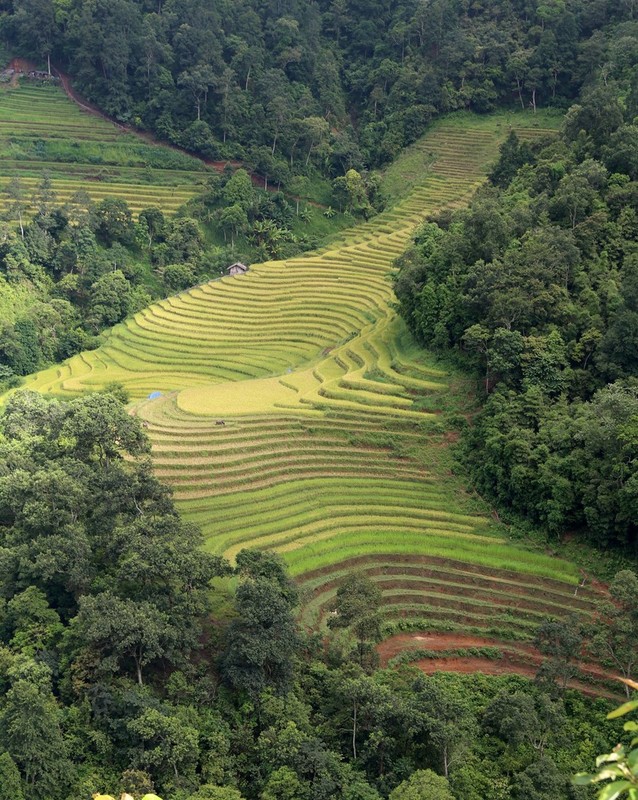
x: 292, y: 401
x: 41, y: 129
x: 286, y: 86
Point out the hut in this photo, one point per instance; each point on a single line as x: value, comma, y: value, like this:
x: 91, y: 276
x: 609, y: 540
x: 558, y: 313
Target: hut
x: 237, y: 268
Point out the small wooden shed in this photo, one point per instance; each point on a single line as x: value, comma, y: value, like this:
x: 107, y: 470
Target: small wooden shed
x: 237, y: 268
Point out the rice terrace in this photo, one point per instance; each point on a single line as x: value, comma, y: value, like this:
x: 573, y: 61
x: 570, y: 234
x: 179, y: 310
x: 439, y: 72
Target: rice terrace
x: 295, y: 412
x: 42, y: 129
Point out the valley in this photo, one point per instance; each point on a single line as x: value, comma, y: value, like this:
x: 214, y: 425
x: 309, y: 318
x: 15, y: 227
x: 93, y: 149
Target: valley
x: 296, y: 414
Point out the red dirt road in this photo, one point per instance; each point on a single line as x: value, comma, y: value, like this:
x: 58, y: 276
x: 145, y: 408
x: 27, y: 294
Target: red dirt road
x: 391, y: 647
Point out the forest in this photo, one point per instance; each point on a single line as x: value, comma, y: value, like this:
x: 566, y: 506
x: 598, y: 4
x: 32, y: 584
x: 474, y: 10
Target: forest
x: 287, y: 85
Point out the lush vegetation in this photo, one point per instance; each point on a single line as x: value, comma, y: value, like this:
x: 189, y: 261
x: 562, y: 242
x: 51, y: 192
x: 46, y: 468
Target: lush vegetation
x: 619, y: 766
x: 296, y: 86
x: 89, y: 230
x: 323, y: 461
x: 116, y: 676
x: 41, y: 129
x: 233, y: 651
x: 78, y: 267
x: 536, y: 285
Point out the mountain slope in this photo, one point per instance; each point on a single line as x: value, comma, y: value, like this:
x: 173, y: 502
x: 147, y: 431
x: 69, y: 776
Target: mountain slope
x: 296, y: 414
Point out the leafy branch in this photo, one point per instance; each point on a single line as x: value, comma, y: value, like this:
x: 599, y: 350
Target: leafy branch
x: 620, y: 766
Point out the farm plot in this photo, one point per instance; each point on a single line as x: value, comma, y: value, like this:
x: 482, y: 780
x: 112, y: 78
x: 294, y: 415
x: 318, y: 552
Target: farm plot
x: 42, y: 130
x: 296, y: 414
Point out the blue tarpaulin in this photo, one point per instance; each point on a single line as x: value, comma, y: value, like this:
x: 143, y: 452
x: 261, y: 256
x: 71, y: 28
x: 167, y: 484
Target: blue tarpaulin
x: 154, y: 395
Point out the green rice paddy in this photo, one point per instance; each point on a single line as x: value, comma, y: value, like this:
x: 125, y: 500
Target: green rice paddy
x: 291, y: 418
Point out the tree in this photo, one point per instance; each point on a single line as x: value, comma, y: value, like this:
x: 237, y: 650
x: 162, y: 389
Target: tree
x: 170, y: 744
x: 512, y: 156
x: 540, y: 781
x: 352, y: 194
x: 30, y: 731
x: 120, y: 630
x: 152, y: 222
x: 524, y: 719
x: 239, y: 190
x: 423, y: 785
x: 44, y: 197
x: 34, y: 625
x: 263, y: 641
x: 315, y: 130
x: 178, y: 277
x: 356, y: 606
x: 477, y: 339
x: 600, y: 114
x: 616, y: 632
x: 234, y: 219
x: 113, y: 221
x: 283, y: 784
x: 10, y: 784
x: 560, y: 641
x: 15, y: 191
x: 110, y: 299
x: 621, y: 765
x: 447, y: 719
x: 37, y: 26
x: 97, y: 428
x: 197, y: 81
x: 184, y: 241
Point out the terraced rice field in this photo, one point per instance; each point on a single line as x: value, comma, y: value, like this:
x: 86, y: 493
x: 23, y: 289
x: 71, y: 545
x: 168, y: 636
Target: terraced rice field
x: 42, y: 129
x: 296, y: 414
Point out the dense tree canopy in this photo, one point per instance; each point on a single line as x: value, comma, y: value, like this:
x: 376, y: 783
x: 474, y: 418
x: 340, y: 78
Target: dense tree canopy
x: 115, y: 677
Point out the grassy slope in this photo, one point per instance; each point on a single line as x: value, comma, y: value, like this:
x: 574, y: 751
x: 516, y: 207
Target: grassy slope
x: 40, y: 128
x: 325, y: 453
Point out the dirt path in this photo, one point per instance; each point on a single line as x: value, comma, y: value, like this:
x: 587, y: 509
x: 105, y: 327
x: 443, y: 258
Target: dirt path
x: 391, y: 647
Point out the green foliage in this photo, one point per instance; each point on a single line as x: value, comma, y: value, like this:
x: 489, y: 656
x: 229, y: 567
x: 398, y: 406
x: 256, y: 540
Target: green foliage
x: 356, y: 607
x: 275, y: 87
x: 619, y: 766
x: 10, y: 784
x: 422, y: 785
x: 30, y: 725
x: 561, y: 642
x: 614, y: 635
x: 356, y: 194
x: 263, y: 640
